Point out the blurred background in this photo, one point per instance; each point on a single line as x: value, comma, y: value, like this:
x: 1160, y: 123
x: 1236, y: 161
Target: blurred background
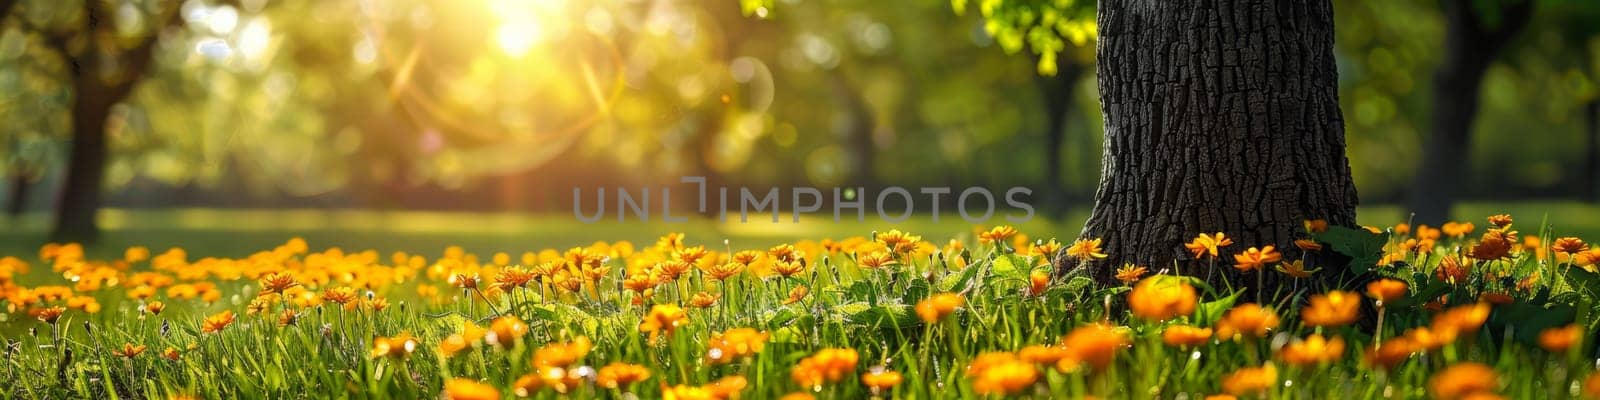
x: 393, y: 123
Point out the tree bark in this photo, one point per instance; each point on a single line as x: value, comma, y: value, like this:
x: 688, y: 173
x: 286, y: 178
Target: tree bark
x: 80, y: 192
x: 1220, y: 116
x: 1471, y: 45
x: 18, y: 195
x: 1591, y: 151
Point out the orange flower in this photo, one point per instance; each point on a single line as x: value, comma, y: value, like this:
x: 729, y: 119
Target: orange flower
x: 1208, y: 244
x: 1494, y: 245
x: 1095, y: 344
x: 1462, y: 318
x: 1451, y: 270
x: 339, y: 295
x: 1500, y: 220
x: 1391, y: 352
x: 129, y: 350
x: 1457, y: 229
x: 277, y: 282
x: 1495, y: 298
x: 49, y: 315
x: 1042, y: 354
x: 1386, y: 290
x: 1246, y: 320
x: 171, y: 354
x: 216, y: 322
x: 155, y: 307
x: 827, y: 365
x: 1130, y: 273
x: 1308, y: 244
x: 1313, y: 350
x: 1038, y: 281
x: 397, y: 347
x: 562, y: 354
x: 734, y: 344
x: 1296, y: 269
x: 897, y: 241
x: 1186, y: 336
x: 1591, y: 386
x: 880, y: 379
x: 936, y: 307
x: 512, y: 278
x: 505, y: 331
x: 1162, y: 298
x: 620, y: 374
x: 1332, y: 309
x: 795, y: 295
x: 1086, y: 249
x: 724, y: 271
x: 997, y: 234
x: 728, y: 387
x: 1462, y: 380
x: 746, y: 257
x: 875, y: 260
x: 1248, y: 381
x: 703, y: 300
x: 1316, y: 225
x: 789, y: 268
x: 528, y: 384
x: 1558, y: 340
x: 1569, y: 245
x: 467, y: 389
x: 1000, y: 373
x: 1254, y: 258
x: 663, y: 319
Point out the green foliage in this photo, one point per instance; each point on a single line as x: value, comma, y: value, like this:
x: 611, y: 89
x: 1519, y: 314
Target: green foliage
x: 1045, y: 28
x: 1364, y: 248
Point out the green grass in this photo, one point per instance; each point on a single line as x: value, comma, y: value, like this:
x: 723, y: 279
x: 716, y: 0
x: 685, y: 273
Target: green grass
x: 326, y: 354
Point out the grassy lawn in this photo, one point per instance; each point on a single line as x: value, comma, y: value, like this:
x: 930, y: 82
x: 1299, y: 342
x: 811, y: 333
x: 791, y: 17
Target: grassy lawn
x: 234, y: 233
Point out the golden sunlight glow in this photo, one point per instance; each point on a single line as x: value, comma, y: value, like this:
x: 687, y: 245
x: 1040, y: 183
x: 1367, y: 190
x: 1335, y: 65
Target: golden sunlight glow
x: 515, y: 39
x: 525, y: 24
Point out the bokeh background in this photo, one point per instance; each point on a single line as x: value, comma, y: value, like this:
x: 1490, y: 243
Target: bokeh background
x: 399, y: 124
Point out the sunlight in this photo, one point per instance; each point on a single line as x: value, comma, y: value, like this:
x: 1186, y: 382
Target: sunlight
x: 515, y: 39
x: 525, y: 24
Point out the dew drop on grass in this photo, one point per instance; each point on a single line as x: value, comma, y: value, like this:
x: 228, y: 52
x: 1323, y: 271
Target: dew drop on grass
x: 715, y: 354
x: 816, y: 388
x: 1288, y: 383
x: 1195, y: 355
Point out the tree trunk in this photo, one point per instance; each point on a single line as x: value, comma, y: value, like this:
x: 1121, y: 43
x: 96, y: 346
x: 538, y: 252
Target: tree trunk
x: 1220, y: 116
x: 80, y: 194
x: 20, y: 183
x: 1591, y: 151
x: 1057, y: 93
x: 1470, y: 46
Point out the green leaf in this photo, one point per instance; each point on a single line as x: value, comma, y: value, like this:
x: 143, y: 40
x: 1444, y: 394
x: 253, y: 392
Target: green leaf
x: 1582, y: 279
x: 1363, y: 247
x: 1427, y: 294
x: 958, y: 280
x: 1208, y: 312
x: 889, y: 315
x: 1528, y: 319
x: 916, y: 291
x: 1011, y: 266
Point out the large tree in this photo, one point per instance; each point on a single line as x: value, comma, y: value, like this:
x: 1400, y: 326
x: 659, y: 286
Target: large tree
x: 1476, y: 32
x: 1220, y: 116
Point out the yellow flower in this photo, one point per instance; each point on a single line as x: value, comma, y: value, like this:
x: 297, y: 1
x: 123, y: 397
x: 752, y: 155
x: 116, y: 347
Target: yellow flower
x: 49, y: 315
x: 1130, y: 273
x: 1559, y: 339
x: 1085, y: 249
x: 512, y: 278
x: 620, y: 374
x: 789, y: 268
x: 663, y: 319
x: 1500, y: 220
x: 1046, y: 249
x: 1569, y: 245
x: 997, y: 234
x: 171, y: 354
x: 1246, y: 320
x: 879, y: 379
x: 936, y: 307
x: 216, y: 322
x: 1186, y: 336
x: 1208, y: 244
x: 1313, y: 350
x: 1316, y: 225
x: 154, y: 307
x: 1162, y: 298
x: 467, y: 389
x: 340, y: 295
x: 1253, y: 258
x: 1248, y: 381
x: 1462, y: 380
x: 1332, y: 309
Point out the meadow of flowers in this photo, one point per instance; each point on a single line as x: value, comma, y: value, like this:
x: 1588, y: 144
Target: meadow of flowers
x: 1420, y: 312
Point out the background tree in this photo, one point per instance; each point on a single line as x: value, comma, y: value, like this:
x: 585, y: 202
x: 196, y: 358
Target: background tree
x: 1219, y: 117
x: 1476, y: 32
